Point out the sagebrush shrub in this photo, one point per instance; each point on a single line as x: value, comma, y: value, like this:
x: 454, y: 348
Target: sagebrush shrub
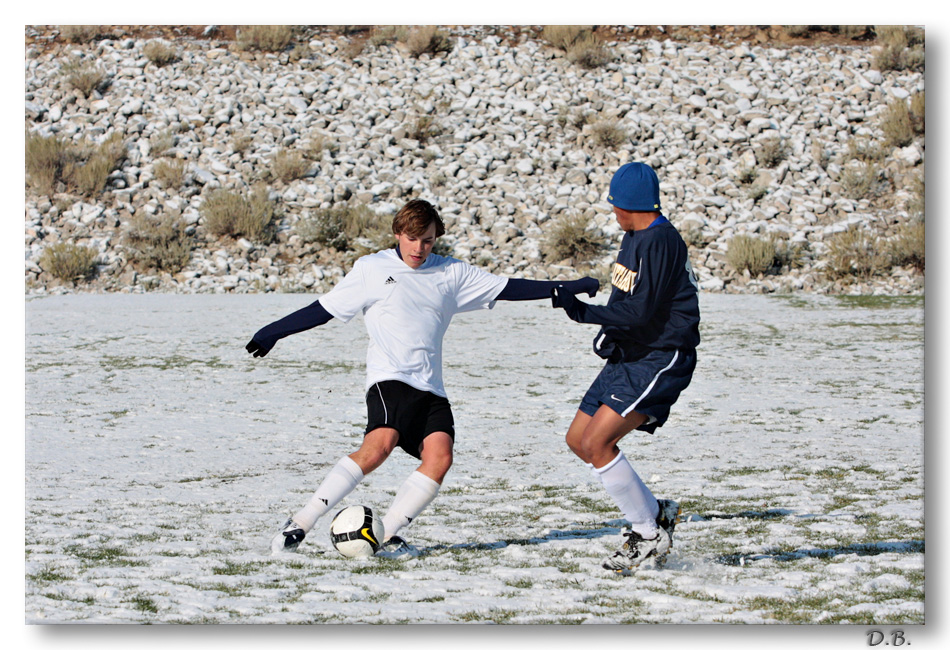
x: 859, y: 180
x: 579, y: 44
x: 589, y: 52
x: 565, y: 36
x: 346, y: 228
x: 160, y: 243
x: 89, y: 175
x: 388, y: 34
x: 83, y: 76
x: 242, y: 143
x: 82, y: 33
x: 428, y: 39
x: 160, y: 53
x: 69, y: 262
x: 608, y: 134
x: 170, y: 173
x: 771, y: 152
x: 917, y: 104
x: 46, y: 160
x: 265, y: 38
x: 289, y: 166
x: 746, y: 175
x: 233, y: 214
x: 902, y: 48
x: 896, y: 124
x: 571, y: 237
x: 908, y: 246
x: 83, y: 169
x: 755, y: 254
x: 796, y: 31
x: 161, y: 142
x: 424, y: 128
x: 866, y: 150
x: 854, y: 252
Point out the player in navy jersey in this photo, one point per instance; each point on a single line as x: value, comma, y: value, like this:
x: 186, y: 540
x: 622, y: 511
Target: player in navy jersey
x: 649, y: 333
x: 408, y: 296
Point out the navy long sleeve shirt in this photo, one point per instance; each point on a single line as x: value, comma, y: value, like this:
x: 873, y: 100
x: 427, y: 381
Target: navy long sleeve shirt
x: 654, y: 302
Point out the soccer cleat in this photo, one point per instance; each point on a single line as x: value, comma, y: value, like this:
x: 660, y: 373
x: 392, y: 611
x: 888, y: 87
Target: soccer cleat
x: 635, y: 550
x: 395, y: 547
x: 288, y: 539
x: 669, y: 512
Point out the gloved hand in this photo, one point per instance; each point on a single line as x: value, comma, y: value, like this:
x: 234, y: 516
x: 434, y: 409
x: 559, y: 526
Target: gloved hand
x: 606, y: 348
x: 588, y: 285
x: 256, y: 348
x: 563, y: 298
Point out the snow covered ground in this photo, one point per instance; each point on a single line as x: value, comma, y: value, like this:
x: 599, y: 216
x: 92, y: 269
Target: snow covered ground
x: 160, y: 458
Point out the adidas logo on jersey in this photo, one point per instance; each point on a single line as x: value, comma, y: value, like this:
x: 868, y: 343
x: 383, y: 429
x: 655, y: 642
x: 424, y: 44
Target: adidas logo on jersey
x: 390, y: 280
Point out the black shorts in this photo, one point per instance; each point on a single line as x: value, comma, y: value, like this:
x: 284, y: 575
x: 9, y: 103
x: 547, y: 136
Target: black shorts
x: 412, y: 412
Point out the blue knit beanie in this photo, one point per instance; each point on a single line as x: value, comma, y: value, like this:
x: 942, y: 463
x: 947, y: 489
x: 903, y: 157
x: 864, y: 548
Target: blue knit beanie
x: 635, y: 188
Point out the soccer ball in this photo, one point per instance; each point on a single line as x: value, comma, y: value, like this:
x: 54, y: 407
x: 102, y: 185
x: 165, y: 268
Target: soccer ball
x: 356, y: 532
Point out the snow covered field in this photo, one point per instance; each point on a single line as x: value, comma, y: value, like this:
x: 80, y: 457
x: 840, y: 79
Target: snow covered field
x: 160, y: 458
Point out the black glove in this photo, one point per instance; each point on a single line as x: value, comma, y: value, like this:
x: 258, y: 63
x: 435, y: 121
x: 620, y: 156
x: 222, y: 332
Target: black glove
x: 255, y: 348
x: 606, y: 348
x: 561, y: 297
x: 588, y: 285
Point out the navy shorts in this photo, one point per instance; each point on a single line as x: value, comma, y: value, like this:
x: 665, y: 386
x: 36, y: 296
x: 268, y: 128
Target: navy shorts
x: 649, y: 385
x: 412, y: 412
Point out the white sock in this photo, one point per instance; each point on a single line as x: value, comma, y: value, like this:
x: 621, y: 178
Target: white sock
x: 634, y: 499
x: 412, y: 497
x: 341, y: 480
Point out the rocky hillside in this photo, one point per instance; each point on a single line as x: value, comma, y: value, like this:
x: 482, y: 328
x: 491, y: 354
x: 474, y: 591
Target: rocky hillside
x: 514, y: 139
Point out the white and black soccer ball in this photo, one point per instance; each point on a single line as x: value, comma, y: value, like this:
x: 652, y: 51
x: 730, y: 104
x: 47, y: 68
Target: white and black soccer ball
x: 356, y: 532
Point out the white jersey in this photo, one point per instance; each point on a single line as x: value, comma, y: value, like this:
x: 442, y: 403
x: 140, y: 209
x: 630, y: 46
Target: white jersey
x: 407, y: 312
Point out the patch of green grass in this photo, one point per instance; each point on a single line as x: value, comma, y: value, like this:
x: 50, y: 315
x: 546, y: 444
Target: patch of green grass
x: 880, y: 302
x: 494, y: 614
x: 239, y: 568
x: 379, y: 565
x: 520, y: 583
x: 144, y: 604
x: 431, y: 599
x: 96, y: 553
x: 235, y: 590
x: 49, y: 573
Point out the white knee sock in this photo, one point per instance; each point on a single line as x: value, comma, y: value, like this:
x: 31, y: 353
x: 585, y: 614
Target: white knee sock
x: 412, y: 497
x: 634, y: 499
x: 341, y: 480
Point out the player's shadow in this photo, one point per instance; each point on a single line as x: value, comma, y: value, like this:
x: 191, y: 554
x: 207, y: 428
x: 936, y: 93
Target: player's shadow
x: 731, y: 559
x: 741, y: 559
x: 612, y: 527
x: 554, y: 535
x: 876, y: 548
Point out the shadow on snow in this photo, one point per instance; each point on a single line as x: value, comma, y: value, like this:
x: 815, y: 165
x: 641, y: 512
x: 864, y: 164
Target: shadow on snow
x: 740, y: 559
x: 732, y: 559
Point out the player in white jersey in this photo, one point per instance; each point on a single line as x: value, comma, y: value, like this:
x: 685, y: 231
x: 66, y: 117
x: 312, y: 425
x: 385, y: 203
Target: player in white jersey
x: 408, y: 296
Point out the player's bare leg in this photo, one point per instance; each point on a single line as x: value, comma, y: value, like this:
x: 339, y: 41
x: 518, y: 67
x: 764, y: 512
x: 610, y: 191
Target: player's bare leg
x: 594, y: 440
x: 377, y: 445
x: 436, y: 455
x: 341, y: 480
x: 422, y: 486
